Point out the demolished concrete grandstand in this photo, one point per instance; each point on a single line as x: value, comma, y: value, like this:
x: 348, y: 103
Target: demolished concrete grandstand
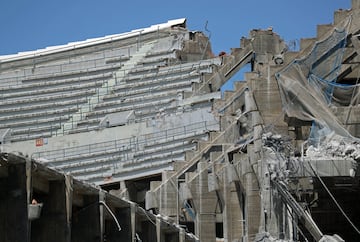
x: 129, y: 138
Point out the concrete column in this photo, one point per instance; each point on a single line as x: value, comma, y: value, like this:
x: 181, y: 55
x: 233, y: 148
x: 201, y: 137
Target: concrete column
x: 68, y: 201
x: 355, y: 4
x: 158, y: 230
x: 86, y: 222
x: 205, y: 216
x: 232, y: 214
x: 148, y: 231
x: 111, y: 230
x: 101, y: 217
x: 52, y: 224
x: 181, y: 235
x: 14, y: 224
x: 168, y: 196
x: 252, y: 200
x: 133, y: 221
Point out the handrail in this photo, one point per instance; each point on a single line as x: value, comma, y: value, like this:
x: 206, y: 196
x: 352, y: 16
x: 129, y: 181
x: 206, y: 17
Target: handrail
x: 109, y: 88
x: 134, y: 143
x: 65, y: 68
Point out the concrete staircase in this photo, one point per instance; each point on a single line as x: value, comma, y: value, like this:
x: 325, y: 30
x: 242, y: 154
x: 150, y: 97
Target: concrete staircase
x: 106, y: 88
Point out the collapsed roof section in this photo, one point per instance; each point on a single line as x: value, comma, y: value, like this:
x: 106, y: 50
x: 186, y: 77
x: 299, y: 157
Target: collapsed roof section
x: 309, y: 87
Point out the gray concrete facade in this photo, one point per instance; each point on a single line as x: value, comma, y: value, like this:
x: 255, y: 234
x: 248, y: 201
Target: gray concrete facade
x: 137, y: 122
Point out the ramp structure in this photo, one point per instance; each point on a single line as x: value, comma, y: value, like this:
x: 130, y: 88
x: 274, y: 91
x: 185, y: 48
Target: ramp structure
x: 140, y: 117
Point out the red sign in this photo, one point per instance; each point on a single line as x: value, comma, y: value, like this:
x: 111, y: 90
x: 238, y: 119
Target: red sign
x: 39, y: 142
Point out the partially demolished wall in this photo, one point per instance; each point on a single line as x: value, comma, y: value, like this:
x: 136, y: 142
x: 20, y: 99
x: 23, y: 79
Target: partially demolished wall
x: 290, y: 172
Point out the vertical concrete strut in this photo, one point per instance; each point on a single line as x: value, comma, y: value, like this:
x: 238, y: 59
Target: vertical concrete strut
x: 252, y: 188
x: 133, y: 221
x: 68, y: 201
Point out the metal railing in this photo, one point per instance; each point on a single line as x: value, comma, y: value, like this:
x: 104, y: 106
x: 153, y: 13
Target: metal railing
x: 131, y: 145
x: 110, y: 88
x: 49, y: 71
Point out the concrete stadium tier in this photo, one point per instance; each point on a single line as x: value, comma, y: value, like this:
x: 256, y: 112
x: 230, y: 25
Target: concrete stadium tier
x: 139, y: 121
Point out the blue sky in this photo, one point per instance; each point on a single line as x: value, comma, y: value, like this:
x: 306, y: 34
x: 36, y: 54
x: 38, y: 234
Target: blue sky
x: 28, y: 25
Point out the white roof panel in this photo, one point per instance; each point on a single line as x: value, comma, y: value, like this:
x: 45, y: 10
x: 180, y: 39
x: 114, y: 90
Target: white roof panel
x: 89, y: 42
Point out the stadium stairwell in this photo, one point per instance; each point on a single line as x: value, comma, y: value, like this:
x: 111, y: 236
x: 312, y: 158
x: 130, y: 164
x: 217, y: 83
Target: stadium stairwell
x: 106, y: 87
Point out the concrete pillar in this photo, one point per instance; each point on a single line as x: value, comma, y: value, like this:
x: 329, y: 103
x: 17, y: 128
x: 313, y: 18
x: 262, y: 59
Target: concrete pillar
x: 252, y: 200
x: 52, y: 224
x: 148, y: 231
x: 355, y: 4
x: 133, y: 221
x: 205, y: 217
x: 158, y: 230
x: 14, y: 224
x: 232, y: 214
x: 233, y: 190
x: 112, y: 233
x: 101, y: 215
x: 86, y: 222
x: 168, y: 196
x: 68, y: 202
x: 181, y: 235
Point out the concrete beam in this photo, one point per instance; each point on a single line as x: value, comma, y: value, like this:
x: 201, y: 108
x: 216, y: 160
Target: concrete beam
x: 326, y: 167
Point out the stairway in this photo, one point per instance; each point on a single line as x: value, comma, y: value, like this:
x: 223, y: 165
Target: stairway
x: 106, y: 88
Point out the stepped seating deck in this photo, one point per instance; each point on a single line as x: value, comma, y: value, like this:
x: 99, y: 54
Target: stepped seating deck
x: 118, y: 157
x: 39, y: 105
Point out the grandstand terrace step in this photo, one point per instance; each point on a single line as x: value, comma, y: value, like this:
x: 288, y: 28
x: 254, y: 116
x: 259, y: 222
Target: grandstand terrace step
x: 175, y: 89
x: 141, y: 114
x: 89, y: 155
x: 160, y: 53
x: 156, y: 85
x: 93, y: 165
x: 166, y: 156
x: 323, y: 29
x: 290, y: 56
x: 91, y: 171
x: 31, y: 130
x: 48, y: 99
x: 27, y: 116
x: 159, y: 103
x: 55, y: 82
x: 193, y: 68
x: 33, y: 136
x: 155, y: 61
x: 43, y: 106
x: 306, y: 43
x: 340, y: 15
x: 134, y: 100
x: 151, y: 142
x: 35, y: 122
x: 38, y: 128
x: 228, y: 94
x: 143, y: 170
x: 143, y: 69
x: 148, y: 151
x: 72, y: 74
x: 45, y: 91
x: 164, y: 151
